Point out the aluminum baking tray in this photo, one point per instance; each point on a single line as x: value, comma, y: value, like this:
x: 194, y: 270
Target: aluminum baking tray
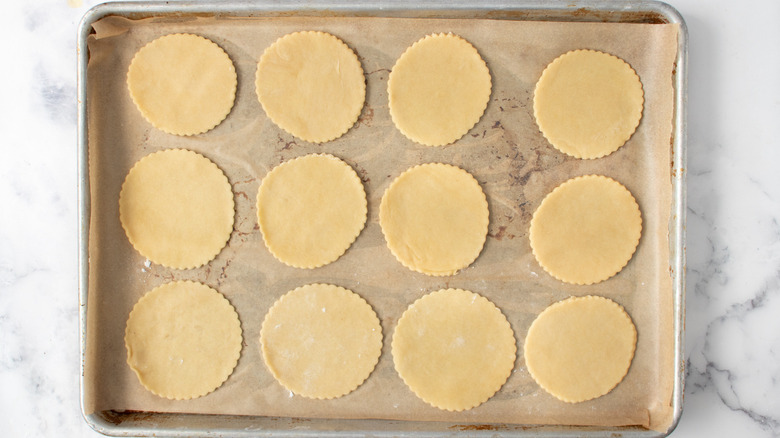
x: 165, y: 424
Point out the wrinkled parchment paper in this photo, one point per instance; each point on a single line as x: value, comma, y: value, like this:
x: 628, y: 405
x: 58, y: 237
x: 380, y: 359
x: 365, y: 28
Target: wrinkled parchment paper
x: 505, y: 152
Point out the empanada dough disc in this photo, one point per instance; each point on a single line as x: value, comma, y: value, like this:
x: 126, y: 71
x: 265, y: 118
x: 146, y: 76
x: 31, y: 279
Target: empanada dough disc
x: 310, y: 210
x: 586, y: 230
x: 183, y: 84
x: 183, y: 340
x: 311, y: 85
x: 580, y: 348
x: 454, y: 349
x: 177, y: 208
x: 435, y: 218
x: 588, y: 103
x: 321, y: 341
x: 438, y: 89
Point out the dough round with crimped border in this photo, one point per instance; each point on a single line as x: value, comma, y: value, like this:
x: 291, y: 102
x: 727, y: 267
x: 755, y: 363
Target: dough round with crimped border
x: 177, y: 209
x: 311, y: 85
x: 321, y: 341
x: 586, y: 230
x: 183, y: 84
x: 454, y: 349
x: 310, y: 210
x: 438, y: 89
x: 580, y: 348
x: 434, y: 218
x: 588, y: 103
x: 183, y: 340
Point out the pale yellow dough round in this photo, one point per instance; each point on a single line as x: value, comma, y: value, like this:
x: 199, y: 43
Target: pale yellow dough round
x: 434, y: 218
x: 321, y: 341
x: 586, y: 230
x: 438, y: 89
x: 311, y: 85
x: 183, y: 84
x: 588, y: 103
x: 183, y: 340
x: 454, y: 349
x: 177, y: 208
x: 580, y: 348
x: 310, y: 210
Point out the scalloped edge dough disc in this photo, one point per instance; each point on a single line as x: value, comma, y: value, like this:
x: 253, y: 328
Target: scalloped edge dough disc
x: 434, y: 218
x: 588, y: 103
x: 321, y: 341
x: 311, y: 85
x: 438, y: 89
x: 454, y: 349
x: 310, y: 210
x: 580, y: 348
x: 586, y: 230
x: 177, y: 209
x: 183, y: 84
x: 183, y: 340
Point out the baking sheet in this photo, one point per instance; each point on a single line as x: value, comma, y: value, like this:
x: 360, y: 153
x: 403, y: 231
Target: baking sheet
x: 505, y: 152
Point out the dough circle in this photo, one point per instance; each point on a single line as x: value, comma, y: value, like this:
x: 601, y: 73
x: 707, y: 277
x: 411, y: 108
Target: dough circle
x: 321, y: 341
x: 588, y: 103
x: 311, y: 85
x: 177, y: 208
x: 183, y: 340
x: 434, y: 218
x: 586, y: 230
x: 310, y: 210
x: 438, y: 89
x: 454, y: 349
x: 580, y: 348
x: 183, y: 84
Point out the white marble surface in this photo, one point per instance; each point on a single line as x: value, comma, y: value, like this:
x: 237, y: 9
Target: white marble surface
x: 733, y: 288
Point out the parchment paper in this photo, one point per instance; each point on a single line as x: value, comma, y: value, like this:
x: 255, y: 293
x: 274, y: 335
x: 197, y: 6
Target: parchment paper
x: 504, y: 151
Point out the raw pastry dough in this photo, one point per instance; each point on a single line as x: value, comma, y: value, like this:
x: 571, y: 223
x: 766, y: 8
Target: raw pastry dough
x: 311, y: 85
x: 586, y: 230
x: 321, y: 341
x: 454, y: 349
x: 434, y: 218
x: 183, y: 340
x: 183, y: 84
x: 588, y: 103
x: 177, y: 208
x: 438, y: 89
x: 580, y: 348
x: 310, y: 210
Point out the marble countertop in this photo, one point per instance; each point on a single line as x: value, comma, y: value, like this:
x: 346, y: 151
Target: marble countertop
x: 733, y: 286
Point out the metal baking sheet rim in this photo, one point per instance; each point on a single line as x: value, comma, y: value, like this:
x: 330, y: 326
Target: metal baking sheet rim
x: 160, y: 424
